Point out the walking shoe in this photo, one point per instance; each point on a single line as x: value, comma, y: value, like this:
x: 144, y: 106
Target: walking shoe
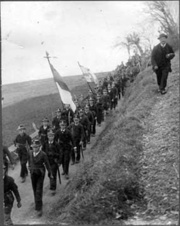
x: 23, y: 179
x: 53, y: 193
x: 63, y: 173
x: 66, y: 177
x: 72, y: 163
x: 77, y: 162
x: 163, y: 91
x: 39, y: 213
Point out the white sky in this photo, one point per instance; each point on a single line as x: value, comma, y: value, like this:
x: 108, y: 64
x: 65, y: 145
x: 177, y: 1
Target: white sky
x: 83, y: 31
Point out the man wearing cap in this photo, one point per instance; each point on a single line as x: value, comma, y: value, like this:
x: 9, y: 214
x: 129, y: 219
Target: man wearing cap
x: 43, y: 130
x: 54, y: 157
x: 93, y: 109
x: 65, y: 141
x: 83, y: 119
x: 77, y: 133
x: 105, y: 102
x: 10, y: 190
x: 161, y: 56
x: 56, y: 120
x: 99, y: 110
x: 22, y: 142
x: 69, y: 114
x: 37, y: 162
x: 90, y: 117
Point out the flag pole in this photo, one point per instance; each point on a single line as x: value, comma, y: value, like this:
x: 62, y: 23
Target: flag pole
x: 47, y: 57
x: 87, y: 82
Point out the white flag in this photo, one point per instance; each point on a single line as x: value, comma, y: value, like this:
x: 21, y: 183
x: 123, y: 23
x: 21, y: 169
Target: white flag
x: 88, y: 75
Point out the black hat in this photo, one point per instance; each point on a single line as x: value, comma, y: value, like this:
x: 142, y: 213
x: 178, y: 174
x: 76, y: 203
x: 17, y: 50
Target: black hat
x: 21, y: 127
x: 36, y: 143
x: 162, y: 35
x: 58, y: 110
x: 50, y: 133
x: 45, y: 120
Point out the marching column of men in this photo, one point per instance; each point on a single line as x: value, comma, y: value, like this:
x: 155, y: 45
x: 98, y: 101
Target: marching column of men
x: 61, y: 142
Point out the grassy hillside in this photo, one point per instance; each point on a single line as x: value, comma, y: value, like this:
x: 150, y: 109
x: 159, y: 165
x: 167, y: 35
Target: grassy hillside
x: 14, y: 93
x: 124, y: 176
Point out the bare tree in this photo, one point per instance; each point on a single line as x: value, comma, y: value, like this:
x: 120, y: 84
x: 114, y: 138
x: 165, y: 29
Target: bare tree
x: 160, y: 12
x: 134, y: 40
x: 125, y: 44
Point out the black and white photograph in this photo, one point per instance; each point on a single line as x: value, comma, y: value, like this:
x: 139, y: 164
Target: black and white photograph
x: 90, y: 113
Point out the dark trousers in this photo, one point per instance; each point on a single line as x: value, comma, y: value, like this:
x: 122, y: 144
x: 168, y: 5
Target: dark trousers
x: 37, y: 180
x: 24, y: 171
x: 93, y: 130
x: 76, y: 156
x: 112, y: 104
x: 65, y: 162
x: 162, y: 75
x: 115, y: 102
x: 99, y: 117
x: 53, y: 181
x: 85, y: 138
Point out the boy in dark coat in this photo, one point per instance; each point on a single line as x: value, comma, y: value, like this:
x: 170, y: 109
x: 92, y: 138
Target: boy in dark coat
x: 161, y: 56
x: 77, y: 133
x: 83, y: 119
x: 10, y: 190
x: 37, y: 162
x: 7, y: 158
x: 43, y: 130
x: 65, y: 141
x: 90, y: 117
x: 54, y: 156
x: 23, y: 142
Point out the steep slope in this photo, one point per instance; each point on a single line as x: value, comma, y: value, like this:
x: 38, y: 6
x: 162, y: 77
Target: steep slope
x: 111, y: 184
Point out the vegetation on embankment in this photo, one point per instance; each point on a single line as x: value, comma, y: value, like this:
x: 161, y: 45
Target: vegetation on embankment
x: 108, y: 185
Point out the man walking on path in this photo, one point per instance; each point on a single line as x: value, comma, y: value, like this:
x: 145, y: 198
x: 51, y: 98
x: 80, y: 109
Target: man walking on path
x: 23, y: 142
x: 161, y: 56
x: 10, y: 190
x: 37, y: 162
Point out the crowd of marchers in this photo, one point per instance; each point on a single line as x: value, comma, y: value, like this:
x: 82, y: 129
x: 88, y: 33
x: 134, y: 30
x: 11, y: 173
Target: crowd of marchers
x: 60, y: 142
x: 63, y: 141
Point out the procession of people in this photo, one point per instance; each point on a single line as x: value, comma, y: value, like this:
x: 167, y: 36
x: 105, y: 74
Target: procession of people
x: 63, y: 141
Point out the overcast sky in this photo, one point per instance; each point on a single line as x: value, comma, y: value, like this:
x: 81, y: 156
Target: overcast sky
x: 83, y: 31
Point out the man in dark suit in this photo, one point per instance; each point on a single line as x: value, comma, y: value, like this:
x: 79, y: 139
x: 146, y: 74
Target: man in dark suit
x: 65, y: 141
x: 23, y: 142
x: 160, y: 59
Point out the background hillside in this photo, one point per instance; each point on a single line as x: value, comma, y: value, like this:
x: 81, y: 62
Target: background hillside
x: 31, y: 101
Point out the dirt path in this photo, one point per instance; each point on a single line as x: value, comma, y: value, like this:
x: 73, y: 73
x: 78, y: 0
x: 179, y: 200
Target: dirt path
x: 161, y: 149
x: 26, y: 214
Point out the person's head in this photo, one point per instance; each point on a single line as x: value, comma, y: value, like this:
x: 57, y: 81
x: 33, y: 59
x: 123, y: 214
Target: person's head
x: 86, y: 108
x: 109, y: 88
x: 67, y: 106
x: 90, y: 92
x: 104, y: 92
x: 58, y: 112
x: 81, y: 112
x: 21, y: 129
x: 50, y: 136
x: 76, y: 120
x: 36, y: 145
x: 98, y: 97
x: 45, y: 121
x: 62, y: 125
x: 91, y: 101
x: 163, y: 38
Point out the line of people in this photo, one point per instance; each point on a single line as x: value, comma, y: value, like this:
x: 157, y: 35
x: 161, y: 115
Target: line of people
x: 62, y: 141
